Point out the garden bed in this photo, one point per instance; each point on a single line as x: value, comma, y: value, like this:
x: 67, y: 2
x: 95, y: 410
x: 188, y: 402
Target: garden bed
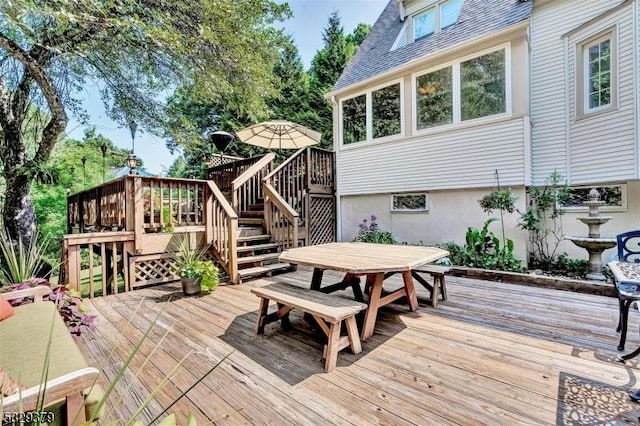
x: 535, y: 280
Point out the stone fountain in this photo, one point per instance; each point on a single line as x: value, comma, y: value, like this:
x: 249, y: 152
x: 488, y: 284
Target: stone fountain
x: 594, y: 244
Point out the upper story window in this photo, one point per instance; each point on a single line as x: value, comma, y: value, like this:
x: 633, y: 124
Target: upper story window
x: 373, y: 115
x: 596, y: 74
x: 436, y: 18
x: 424, y: 24
x: 449, y: 12
x: 463, y: 90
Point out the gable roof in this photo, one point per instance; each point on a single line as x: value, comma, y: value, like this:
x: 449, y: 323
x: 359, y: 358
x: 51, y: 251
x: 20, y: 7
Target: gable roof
x: 477, y: 17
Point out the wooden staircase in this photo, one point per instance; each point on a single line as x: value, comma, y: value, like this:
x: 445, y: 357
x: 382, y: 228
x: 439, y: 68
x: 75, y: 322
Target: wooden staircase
x: 257, y: 255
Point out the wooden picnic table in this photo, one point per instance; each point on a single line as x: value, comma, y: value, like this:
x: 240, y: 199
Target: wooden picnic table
x: 375, y: 261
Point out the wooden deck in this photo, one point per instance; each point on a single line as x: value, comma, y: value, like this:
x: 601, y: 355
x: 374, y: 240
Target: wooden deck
x: 492, y: 354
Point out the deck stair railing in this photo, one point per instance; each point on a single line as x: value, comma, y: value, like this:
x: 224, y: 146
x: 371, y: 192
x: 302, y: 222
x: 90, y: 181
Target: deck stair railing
x: 305, y: 183
x: 223, y: 231
x: 225, y: 174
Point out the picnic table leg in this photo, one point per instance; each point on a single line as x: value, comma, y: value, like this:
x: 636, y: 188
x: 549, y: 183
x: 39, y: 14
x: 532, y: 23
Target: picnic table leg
x: 374, y: 303
x: 316, y: 280
x: 355, y: 286
x: 262, y: 313
x: 409, y: 288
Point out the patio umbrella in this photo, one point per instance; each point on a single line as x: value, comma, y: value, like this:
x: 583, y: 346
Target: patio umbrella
x: 279, y: 135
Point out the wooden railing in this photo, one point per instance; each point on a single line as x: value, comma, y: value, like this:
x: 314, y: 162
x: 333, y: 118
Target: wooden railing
x: 246, y: 189
x: 168, y: 204
x: 225, y: 174
x: 280, y: 219
x: 307, y: 174
x: 98, y: 261
x: 98, y: 209
x: 222, y: 231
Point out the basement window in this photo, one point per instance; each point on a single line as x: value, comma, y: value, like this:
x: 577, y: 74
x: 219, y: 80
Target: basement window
x: 410, y: 202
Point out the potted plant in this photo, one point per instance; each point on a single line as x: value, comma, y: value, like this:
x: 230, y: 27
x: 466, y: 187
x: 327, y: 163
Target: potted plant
x: 196, y: 273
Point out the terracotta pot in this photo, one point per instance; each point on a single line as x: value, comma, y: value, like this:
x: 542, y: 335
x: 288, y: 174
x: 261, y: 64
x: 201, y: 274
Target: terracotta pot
x: 190, y: 286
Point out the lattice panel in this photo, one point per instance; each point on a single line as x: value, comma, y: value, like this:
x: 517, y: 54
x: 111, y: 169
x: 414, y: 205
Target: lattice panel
x: 322, y: 212
x: 153, y: 271
x: 157, y: 269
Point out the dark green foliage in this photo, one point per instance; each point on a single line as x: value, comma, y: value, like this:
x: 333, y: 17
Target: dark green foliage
x: 576, y: 268
x: 369, y: 232
x: 543, y: 220
x: 501, y: 199
x: 483, y: 250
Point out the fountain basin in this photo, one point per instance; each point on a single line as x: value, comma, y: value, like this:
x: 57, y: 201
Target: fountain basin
x: 595, y: 247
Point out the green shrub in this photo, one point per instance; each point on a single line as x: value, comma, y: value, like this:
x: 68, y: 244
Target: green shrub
x: 369, y: 232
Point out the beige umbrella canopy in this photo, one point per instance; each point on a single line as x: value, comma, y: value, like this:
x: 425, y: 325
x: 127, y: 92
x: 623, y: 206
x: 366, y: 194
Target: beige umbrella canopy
x: 279, y: 135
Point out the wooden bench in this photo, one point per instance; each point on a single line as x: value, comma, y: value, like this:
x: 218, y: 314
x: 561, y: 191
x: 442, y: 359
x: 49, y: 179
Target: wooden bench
x: 328, y: 310
x: 438, y: 288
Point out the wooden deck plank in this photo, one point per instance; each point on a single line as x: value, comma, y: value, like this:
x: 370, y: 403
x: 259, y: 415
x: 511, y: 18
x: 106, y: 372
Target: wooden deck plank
x: 494, y: 353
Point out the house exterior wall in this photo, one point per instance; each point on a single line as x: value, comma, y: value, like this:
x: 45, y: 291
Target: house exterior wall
x: 443, y: 158
x: 450, y: 214
x: 595, y: 149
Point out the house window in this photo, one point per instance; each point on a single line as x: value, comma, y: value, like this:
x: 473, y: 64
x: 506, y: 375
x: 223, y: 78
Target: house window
x: 596, y: 77
x: 483, y: 86
x: 464, y: 90
x: 373, y: 115
x: 614, y: 196
x: 409, y: 202
x: 354, y: 119
x: 424, y: 24
x: 449, y: 12
x: 385, y: 111
x: 434, y: 98
x: 436, y: 18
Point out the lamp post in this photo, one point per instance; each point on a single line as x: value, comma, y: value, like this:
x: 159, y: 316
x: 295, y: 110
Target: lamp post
x: 103, y: 148
x: 84, y: 172
x: 132, y: 161
x: 72, y: 170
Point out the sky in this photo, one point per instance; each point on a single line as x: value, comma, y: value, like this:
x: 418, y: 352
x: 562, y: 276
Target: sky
x: 306, y: 26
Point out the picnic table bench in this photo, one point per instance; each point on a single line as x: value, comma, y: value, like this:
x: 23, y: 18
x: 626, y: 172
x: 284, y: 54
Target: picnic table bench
x: 328, y: 310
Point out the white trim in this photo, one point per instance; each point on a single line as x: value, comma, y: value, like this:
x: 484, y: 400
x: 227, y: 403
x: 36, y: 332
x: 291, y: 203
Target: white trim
x: 567, y: 109
x: 624, y: 206
x: 470, y: 124
x: 526, y: 129
x: 586, y: 108
x: 428, y: 58
x: 636, y: 94
x: 457, y: 86
x: 369, y: 114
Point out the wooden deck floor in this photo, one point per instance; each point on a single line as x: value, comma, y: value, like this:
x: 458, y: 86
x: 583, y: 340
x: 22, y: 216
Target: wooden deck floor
x: 492, y: 354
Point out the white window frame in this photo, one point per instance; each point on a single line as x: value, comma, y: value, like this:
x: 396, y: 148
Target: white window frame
x: 369, y: 115
x: 623, y: 198
x: 432, y: 7
x: 583, y: 109
x: 426, y: 202
x: 457, y: 98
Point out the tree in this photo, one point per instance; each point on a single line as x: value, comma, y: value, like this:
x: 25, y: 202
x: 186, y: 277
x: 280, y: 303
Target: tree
x: 327, y: 66
x: 138, y: 50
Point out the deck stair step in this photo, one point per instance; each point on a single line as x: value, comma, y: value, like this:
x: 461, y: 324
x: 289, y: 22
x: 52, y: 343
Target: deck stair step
x: 263, y: 270
x: 250, y: 221
x: 256, y: 207
x: 256, y: 247
x: 252, y: 213
x: 253, y: 239
x: 258, y: 258
x: 250, y: 231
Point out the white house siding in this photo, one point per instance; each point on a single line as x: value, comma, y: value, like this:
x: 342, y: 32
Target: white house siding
x: 464, y: 158
x: 603, y: 147
x: 596, y: 149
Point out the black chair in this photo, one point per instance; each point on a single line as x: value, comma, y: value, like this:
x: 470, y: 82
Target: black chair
x: 628, y: 251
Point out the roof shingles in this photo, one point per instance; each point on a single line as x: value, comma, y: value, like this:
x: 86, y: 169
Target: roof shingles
x: 477, y: 17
